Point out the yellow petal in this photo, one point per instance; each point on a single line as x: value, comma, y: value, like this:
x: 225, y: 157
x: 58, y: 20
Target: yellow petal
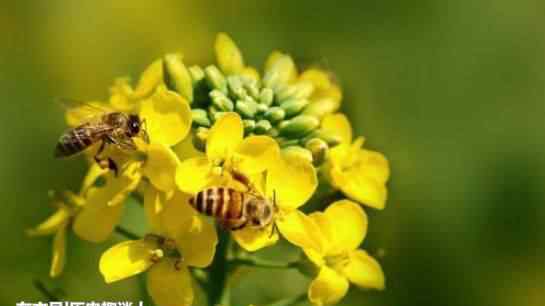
x: 301, y: 230
x: 339, y: 126
x: 168, y: 286
x: 279, y: 70
x: 362, y: 189
x: 197, y: 242
x: 228, y: 55
x: 150, y: 79
x: 319, y: 78
x: 126, y: 259
x: 252, y: 239
x: 293, y: 180
x: 176, y: 214
x: 374, y: 165
x: 185, y: 148
x: 94, y: 172
x: 51, y: 224
x: 154, y: 202
x: 160, y: 167
x: 104, y: 207
x: 256, y: 154
x: 344, y: 223
x: 328, y: 288
x: 364, y: 271
x: 59, y: 252
x: 224, y: 137
x: 250, y: 72
x: 168, y: 117
x: 194, y: 174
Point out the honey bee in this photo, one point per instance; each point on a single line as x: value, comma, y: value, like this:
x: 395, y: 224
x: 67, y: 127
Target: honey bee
x: 115, y: 128
x: 236, y: 209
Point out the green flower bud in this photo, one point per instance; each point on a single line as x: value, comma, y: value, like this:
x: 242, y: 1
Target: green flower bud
x: 322, y: 107
x: 199, y: 139
x: 249, y: 126
x: 266, y: 96
x: 319, y: 150
x: 298, y: 152
x: 330, y: 139
x: 200, y: 117
x: 221, y: 101
x: 176, y: 76
x: 215, y: 78
x: 251, y: 86
x: 218, y: 115
x: 262, y: 127
x: 196, y: 73
x: 298, y: 126
x: 246, y: 108
x: 261, y: 108
x: 294, y: 106
x: 273, y: 132
x: 275, y: 114
x: 235, y: 86
x: 284, y: 142
x: 285, y: 92
x: 279, y: 72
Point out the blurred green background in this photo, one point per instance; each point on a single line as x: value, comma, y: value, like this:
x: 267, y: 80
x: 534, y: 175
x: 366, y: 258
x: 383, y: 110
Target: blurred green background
x: 451, y: 91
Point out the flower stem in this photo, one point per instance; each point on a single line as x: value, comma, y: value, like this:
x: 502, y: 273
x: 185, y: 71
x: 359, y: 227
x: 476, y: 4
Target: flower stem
x: 125, y: 232
x: 218, y: 290
x: 44, y: 291
x: 262, y: 263
x: 290, y: 301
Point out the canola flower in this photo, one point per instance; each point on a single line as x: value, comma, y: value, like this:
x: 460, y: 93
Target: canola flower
x: 208, y: 126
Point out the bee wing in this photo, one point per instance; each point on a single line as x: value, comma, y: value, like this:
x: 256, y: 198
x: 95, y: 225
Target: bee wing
x: 80, y: 112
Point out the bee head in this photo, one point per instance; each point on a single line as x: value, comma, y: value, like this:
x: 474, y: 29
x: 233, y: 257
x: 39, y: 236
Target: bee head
x: 133, y: 125
x: 260, y: 212
x: 137, y: 127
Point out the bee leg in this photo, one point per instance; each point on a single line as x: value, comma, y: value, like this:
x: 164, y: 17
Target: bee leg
x: 113, y: 166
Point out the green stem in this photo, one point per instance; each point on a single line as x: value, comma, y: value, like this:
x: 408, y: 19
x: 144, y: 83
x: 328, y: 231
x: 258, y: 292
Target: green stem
x: 218, y: 289
x: 44, y: 291
x: 290, y: 301
x: 262, y: 263
x: 125, y: 232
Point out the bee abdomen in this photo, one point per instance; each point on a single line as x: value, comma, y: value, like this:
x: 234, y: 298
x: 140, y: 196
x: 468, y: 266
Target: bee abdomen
x: 72, y: 142
x: 220, y: 202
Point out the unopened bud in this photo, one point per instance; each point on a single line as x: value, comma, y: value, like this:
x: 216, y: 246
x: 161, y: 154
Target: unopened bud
x: 196, y: 73
x: 298, y: 126
x: 262, y: 127
x: 235, y: 86
x: 199, y: 139
x: 275, y: 114
x: 246, y: 107
x: 249, y: 126
x: 319, y: 150
x: 176, y: 76
x: 215, y: 78
x: 200, y: 117
x: 294, y: 106
x: 221, y: 101
x: 266, y: 96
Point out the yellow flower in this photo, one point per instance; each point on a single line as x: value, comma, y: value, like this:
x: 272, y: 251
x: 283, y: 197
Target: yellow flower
x: 68, y: 207
x: 290, y: 180
x: 360, y: 174
x: 341, y: 229
x: 168, y: 121
x: 226, y: 150
x: 180, y: 239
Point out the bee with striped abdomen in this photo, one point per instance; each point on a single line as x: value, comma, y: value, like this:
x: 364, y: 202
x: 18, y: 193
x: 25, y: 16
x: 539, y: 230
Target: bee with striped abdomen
x: 235, y: 209
x: 114, y: 128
